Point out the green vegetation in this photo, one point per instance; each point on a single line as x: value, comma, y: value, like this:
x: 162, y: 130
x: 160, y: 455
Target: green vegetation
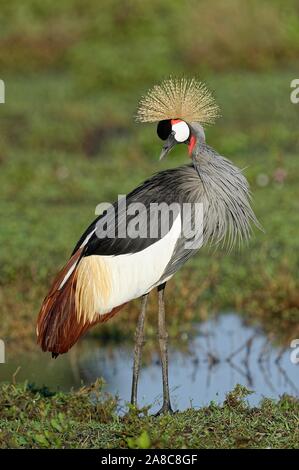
x: 68, y: 141
x: 31, y: 419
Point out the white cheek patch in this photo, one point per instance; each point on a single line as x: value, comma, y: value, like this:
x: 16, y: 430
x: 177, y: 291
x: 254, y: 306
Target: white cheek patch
x: 181, y: 130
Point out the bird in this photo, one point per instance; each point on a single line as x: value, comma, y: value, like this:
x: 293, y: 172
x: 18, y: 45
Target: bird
x: 125, y: 252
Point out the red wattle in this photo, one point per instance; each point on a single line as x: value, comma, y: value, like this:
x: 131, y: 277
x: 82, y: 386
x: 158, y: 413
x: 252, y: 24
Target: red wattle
x: 191, y: 144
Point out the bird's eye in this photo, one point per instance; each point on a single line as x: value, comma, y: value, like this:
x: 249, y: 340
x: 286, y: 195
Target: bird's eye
x: 181, y: 130
x: 164, y: 129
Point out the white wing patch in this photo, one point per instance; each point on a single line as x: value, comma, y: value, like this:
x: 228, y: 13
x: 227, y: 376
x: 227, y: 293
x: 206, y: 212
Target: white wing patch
x: 132, y: 275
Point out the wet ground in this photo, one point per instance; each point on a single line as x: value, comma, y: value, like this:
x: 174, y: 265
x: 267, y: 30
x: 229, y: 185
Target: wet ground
x: 223, y: 352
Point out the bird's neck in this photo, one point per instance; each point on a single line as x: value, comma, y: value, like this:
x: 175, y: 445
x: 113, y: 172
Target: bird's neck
x: 197, y: 147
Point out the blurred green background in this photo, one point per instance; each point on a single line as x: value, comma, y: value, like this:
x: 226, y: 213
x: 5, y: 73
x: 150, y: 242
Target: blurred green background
x: 74, y: 72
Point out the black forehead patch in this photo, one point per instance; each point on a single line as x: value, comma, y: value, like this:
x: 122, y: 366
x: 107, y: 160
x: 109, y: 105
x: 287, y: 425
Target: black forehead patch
x: 164, y: 129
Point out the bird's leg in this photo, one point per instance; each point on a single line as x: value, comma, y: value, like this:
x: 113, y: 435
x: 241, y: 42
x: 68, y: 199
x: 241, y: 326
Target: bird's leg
x: 139, y: 341
x: 163, y: 343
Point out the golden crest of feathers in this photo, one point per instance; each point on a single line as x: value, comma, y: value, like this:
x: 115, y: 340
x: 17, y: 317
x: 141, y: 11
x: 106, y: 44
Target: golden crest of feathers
x: 178, y: 98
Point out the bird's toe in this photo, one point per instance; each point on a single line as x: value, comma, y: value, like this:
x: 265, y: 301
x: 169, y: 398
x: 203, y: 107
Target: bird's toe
x: 166, y: 409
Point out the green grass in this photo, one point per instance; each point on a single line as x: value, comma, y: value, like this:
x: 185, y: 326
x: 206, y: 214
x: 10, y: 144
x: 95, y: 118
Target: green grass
x: 30, y: 418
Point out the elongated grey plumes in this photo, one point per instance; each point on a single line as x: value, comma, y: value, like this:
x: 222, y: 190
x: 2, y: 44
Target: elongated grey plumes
x: 228, y: 216
x: 224, y: 192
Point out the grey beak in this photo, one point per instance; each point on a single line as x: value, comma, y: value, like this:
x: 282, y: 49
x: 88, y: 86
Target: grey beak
x: 169, y: 144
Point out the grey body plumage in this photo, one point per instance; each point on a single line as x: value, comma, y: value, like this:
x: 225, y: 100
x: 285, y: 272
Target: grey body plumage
x: 211, y: 180
x: 224, y: 192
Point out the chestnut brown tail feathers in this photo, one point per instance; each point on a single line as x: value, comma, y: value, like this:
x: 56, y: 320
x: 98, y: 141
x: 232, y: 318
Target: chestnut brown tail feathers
x: 58, y: 325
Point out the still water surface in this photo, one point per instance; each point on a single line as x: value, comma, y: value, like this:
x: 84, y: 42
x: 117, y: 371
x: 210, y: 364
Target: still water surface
x: 224, y: 352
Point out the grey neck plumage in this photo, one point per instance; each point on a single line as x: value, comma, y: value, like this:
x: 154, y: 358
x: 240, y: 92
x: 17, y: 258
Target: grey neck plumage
x: 225, y: 193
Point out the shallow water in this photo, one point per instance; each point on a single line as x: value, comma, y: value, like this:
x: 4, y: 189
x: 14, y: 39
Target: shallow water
x: 223, y: 353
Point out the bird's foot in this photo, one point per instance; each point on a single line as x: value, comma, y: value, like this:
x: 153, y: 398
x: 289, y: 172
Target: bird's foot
x: 166, y: 409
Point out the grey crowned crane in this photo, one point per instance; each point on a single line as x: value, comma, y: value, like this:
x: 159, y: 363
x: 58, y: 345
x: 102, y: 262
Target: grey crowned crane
x: 110, y: 267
